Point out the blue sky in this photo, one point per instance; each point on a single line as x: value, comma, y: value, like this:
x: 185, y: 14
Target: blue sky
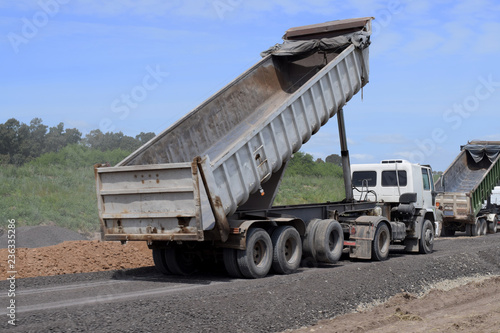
x: 434, y: 72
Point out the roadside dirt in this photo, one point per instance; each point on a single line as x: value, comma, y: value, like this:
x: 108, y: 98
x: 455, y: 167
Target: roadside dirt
x: 451, y: 306
x: 77, y: 257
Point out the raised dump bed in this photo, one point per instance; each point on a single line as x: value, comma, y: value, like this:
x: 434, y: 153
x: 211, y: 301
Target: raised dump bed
x: 221, y: 155
x: 467, y: 184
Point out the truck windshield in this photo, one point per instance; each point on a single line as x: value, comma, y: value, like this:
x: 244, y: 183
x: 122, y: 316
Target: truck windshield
x: 389, y: 178
x: 364, y: 178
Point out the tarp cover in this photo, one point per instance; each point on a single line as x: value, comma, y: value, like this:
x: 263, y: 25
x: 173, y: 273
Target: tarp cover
x: 478, y: 151
x: 359, y: 39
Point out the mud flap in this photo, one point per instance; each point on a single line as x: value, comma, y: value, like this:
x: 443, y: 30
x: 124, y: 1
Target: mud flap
x: 363, y: 239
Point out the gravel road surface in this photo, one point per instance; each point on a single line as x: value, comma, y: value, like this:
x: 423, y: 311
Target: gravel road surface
x: 142, y: 300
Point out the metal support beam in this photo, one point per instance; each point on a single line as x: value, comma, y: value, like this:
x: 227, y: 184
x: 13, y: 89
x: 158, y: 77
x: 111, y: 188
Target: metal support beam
x: 346, y: 164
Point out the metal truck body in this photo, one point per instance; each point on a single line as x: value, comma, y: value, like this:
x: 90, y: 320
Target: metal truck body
x: 204, y: 188
x: 465, y: 188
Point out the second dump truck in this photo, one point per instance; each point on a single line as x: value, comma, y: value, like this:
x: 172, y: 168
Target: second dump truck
x: 202, y: 190
x: 465, y: 188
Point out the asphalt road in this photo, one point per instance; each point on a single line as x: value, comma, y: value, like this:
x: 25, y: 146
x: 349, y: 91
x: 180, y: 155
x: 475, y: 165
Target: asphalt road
x: 142, y: 300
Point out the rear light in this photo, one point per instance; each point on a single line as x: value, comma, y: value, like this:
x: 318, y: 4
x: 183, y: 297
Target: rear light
x: 352, y: 230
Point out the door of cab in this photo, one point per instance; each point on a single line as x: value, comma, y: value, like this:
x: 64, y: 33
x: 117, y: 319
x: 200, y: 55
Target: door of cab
x: 428, y: 188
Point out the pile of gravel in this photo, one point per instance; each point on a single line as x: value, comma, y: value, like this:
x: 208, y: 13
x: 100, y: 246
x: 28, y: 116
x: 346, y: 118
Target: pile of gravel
x: 40, y: 236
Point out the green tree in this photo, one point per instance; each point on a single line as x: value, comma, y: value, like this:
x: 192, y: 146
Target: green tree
x: 144, y: 137
x: 334, y: 159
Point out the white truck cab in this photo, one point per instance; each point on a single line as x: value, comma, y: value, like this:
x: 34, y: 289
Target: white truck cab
x: 378, y: 182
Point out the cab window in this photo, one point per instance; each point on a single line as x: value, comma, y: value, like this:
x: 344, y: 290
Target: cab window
x: 361, y: 178
x: 389, y: 178
x: 426, y: 180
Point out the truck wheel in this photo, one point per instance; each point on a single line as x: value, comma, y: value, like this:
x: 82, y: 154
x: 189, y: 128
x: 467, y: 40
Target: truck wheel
x: 256, y: 260
x: 160, y: 262
x: 381, y: 242
x: 287, y: 250
x: 231, y: 263
x: 472, y: 230
x: 308, y: 249
x: 426, y: 242
x: 493, y: 226
x: 179, y: 261
x: 483, y: 227
x: 328, y: 241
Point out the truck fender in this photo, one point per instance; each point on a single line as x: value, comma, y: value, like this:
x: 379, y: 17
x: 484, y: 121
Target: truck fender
x: 491, y: 217
x: 362, y: 232
x: 238, y: 229
x: 372, y: 220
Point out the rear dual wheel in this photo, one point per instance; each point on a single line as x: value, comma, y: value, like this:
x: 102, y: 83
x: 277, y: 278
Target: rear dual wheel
x: 160, y: 261
x: 287, y: 250
x: 255, y: 261
x: 323, y: 241
x: 282, y: 251
x: 177, y: 260
x: 473, y: 230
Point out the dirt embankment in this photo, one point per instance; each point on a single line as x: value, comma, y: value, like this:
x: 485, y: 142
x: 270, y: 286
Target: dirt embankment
x: 472, y: 307
x: 76, y: 257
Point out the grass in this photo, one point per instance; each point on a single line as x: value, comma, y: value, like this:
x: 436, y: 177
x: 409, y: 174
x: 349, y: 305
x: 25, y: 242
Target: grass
x: 298, y: 189
x: 54, y: 189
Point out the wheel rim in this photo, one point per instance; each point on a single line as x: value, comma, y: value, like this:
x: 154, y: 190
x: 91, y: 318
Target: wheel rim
x: 429, y: 237
x: 289, y: 249
x: 331, y: 241
x: 259, y: 251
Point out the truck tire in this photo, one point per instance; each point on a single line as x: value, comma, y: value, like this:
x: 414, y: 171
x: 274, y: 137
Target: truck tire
x: 426, y: 241
x: 308, y: 250
x: 493, y: 226
x: 231, y: 263
x: 160, y: 262
x: 256, y: 260
x: 472, y: 230
x: 328, y: 241
x: 179, y: 261
x: 287, y: 250
x: 381, y: 242
x: 483, y: 227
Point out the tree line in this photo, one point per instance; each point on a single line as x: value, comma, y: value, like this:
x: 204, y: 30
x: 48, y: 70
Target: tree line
x: 21, y: 143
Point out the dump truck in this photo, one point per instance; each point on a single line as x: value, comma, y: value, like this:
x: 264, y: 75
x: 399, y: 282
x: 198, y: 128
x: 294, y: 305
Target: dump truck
x: 464, y: 190
x: 202, y: 190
